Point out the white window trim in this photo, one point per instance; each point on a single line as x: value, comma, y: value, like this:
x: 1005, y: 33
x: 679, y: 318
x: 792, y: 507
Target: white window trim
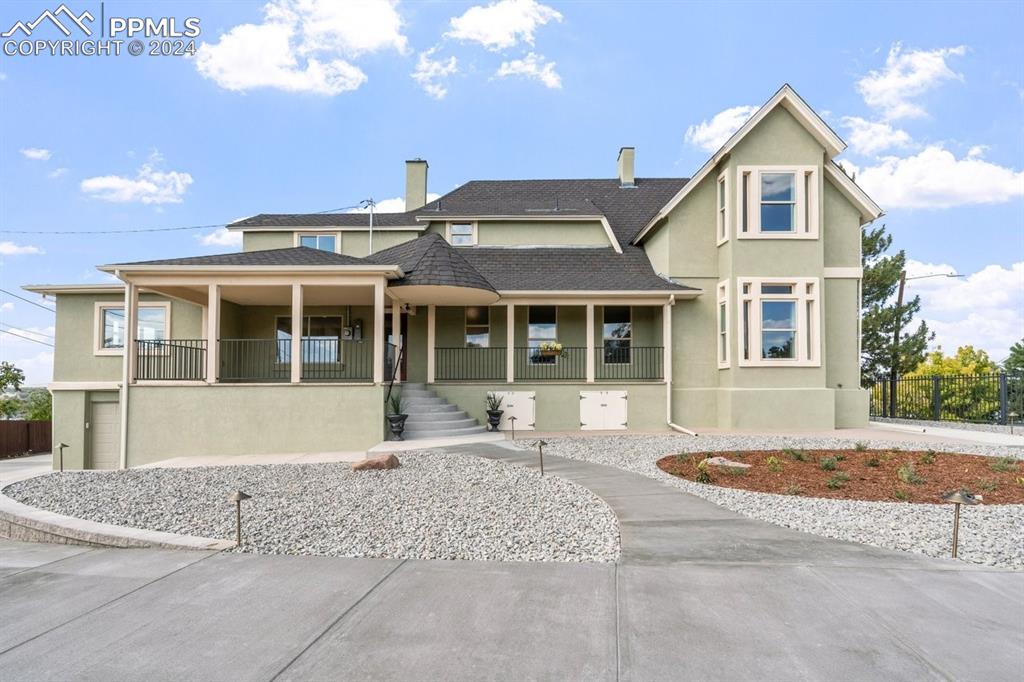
x: 604, y: 338
x: 805, y: 356
x: 297, y: 239
x: 723, y: 299
x: 305, y: 318
x: 466, y: 326
x: 722, y: 215
x: 529, y: 355
x: 807, y: 218
x: 475, y: 235
x: 97, y: 331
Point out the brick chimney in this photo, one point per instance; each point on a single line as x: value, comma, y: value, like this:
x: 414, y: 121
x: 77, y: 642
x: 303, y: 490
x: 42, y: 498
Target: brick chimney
x: 627, y: 156
x: 415, y: 184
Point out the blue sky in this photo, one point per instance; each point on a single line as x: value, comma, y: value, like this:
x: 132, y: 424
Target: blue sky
x: 298, y: 105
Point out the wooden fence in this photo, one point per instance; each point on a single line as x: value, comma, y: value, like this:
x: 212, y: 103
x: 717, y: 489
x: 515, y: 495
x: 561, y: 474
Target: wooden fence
x: 18, y: 437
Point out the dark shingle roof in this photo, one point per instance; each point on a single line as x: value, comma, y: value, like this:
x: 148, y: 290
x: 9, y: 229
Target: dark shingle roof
x: 297, y: 255
x: 628, y: 209
x: 430, y: 260
x: 568, y: 269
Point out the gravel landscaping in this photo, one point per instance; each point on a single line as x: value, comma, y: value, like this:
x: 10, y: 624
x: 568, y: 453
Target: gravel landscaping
x: 435, y: 506
x: 989, y: 534
x: 1017, y: 429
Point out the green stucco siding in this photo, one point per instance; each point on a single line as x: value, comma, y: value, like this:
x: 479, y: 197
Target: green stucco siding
x: 841, y: 229
x: 262, y: 241
x: 555, y: 233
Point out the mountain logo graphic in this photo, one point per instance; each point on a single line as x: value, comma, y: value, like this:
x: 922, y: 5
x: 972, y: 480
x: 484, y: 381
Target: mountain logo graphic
x: 52, y: 16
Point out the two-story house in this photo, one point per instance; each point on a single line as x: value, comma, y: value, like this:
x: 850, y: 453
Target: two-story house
x: 730, y: 299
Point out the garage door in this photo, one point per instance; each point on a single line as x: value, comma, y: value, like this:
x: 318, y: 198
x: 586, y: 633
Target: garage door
x: 106, y: 436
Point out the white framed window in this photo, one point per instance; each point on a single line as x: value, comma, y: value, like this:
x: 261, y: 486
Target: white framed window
x: 780, y: 322
x: 109, y: 325
x: 723, y: 209
x: 462, y: 234
x: 478, y: 327
x: 617, y: 334
x: 321, y: 339
x: 777, y: 202
x: 323, y: 241
x: 541, y: 328
x: 723, y: 324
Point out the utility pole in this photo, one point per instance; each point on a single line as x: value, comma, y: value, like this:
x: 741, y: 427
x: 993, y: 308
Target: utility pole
x: 371, y: 203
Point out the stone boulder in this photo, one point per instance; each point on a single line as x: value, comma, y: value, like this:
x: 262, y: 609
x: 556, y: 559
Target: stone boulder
x: 723, y: 462
x: 385, y: 461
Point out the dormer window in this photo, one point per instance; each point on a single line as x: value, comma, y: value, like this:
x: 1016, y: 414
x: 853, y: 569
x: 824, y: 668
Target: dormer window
x: 323, y: 242
x: 462, y: 234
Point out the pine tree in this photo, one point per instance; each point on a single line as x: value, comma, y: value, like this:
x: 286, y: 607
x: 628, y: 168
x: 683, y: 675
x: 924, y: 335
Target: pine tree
x: 880, y: 314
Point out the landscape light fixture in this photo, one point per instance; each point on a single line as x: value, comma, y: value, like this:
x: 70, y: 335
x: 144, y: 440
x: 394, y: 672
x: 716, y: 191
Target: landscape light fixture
x: 957, y: 498
x: 1012, y: 416
x: 540, y: 448
x: 61, y: 446
x: 237, y: 498
x: 512, y: 421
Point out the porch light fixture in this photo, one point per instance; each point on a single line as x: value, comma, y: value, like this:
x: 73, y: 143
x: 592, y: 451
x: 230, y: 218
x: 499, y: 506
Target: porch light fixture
x: 957, y: 498
x: 540, y: 448
x: 237, y: 498
x: 60, y: 448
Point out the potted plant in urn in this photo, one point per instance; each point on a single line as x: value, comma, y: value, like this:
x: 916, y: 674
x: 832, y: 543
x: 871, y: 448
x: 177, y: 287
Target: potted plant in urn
x: 494, y: 411
x: 550, y: 349
x: 396, y: 418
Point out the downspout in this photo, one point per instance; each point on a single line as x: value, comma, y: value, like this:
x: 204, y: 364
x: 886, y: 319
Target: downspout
x: 668, y: 378
x: 123, y: 445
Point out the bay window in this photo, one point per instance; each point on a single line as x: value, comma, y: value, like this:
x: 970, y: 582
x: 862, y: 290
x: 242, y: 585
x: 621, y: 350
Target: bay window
x: 777, y: 202
x: 780, y: 322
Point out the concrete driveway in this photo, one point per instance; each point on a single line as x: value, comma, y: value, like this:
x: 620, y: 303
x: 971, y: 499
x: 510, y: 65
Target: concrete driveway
x: 699, y: 593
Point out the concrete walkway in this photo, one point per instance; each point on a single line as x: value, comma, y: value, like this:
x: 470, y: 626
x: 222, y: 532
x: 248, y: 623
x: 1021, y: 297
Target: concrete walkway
x: 700, y: 593
x: 17, y: 468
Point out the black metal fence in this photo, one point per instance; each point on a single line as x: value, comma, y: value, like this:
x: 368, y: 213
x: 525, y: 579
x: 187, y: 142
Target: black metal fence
x: 331, y: 359
x: 981, y: 398
x: 171, y: 359
x: 255, y: 360
x: 636, y: 363
x: 469, y: 364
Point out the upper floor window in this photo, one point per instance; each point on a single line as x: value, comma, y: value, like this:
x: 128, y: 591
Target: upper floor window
x: 780, y: 322
x: 723, y: 208
x: 542, y: 332
x: 723, y: 325
x: 462, y: 234
x: 323, y: 242
x: 777, y: 202
x: 618, y: 334
x: 153, y: 325
x: 478, y: 327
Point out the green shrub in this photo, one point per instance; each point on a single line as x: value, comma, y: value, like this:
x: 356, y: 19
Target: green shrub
x: 901, y: 495
x: 797, y: 455
x: 928, y: 457
x: 873, y: 462
x: 988, y: 485
x: 1003, y: 464
x: 794, y: 490
x: 839, y: 457
x: 828, y: 464
x: 703, y: 476
x: 908, y: 474
x: 773, y: 464
x: 734, y: 471
x: 838, y: 480
x: 860, y: 447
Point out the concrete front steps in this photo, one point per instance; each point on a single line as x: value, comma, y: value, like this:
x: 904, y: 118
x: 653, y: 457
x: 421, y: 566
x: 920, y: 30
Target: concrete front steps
x: 433, y: 417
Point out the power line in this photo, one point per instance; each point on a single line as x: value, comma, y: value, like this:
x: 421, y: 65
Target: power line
x: 26, y: 331
x: 4, y: 331
x: 21, y: 298
x: 139, y: 230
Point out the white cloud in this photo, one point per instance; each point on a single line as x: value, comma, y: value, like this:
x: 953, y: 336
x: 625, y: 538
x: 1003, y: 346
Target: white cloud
x: 3, y: 76
x: 393, y: 205
x: 531, y: 66
x: 57, y: 172
x: 221, y: 237
x: 36, y: 153
x: 984, y: 309
x: 711, y: 135
x: 430, y: 71
x: 12, y: 249
x: 300, y: 45
x: 935, y: 178
x: 905, y: 76
x: 501, y: 25
x: 6, y: 307
x: 872, y: 137
x: 149, y: 186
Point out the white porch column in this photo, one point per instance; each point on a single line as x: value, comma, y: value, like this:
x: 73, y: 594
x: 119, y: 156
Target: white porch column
x: 431, y: 324
x: 378, y: 332
x: 510, y: 343
x: 296, y: 354
x: 131, y: 330
x: 590, y: 344
x: 212, y: 334
x: 666, y: 342
x: 396, y: 334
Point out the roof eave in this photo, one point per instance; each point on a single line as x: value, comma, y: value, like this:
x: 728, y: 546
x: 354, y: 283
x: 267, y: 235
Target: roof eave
x: 869, y: 210
x: 387, y: 270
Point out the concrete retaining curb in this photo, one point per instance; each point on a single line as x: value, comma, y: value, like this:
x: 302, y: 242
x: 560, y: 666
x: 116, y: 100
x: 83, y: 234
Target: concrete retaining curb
x: 28, y: 524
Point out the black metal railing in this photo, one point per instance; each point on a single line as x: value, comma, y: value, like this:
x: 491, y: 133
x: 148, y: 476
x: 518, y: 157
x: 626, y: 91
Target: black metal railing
x: 332, y: 359
x: 981, y: 398
x: 636, y: 363
x: 469, y: 364
x: 534, y: 364
x: 255, y: 360
x: 170, y: 359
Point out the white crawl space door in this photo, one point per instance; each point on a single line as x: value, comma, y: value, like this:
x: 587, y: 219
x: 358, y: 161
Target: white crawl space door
x: 519, y: 404
x: 603, y: 410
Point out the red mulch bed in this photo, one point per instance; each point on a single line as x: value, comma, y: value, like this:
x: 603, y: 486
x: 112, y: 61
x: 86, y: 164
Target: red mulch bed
x: 939, y: 472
